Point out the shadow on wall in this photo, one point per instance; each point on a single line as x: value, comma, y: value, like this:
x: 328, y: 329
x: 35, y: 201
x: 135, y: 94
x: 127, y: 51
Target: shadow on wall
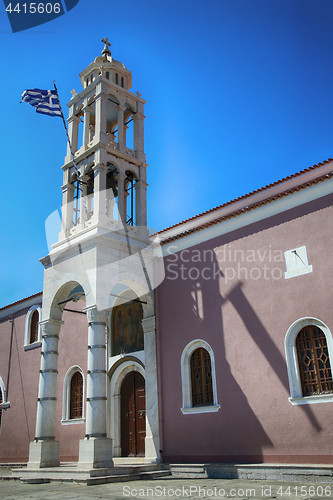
x: 193, y: 309
x: 261, y: 337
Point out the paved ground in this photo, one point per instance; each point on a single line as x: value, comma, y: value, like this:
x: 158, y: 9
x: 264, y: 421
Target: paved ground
x: 167, y: 488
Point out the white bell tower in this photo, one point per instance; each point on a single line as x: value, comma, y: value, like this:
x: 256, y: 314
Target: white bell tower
x: 103, y: 249
x: 112, y: 165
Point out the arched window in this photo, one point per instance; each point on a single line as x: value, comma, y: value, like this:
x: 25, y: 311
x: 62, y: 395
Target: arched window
x: 73, y: 397
x: 32, y: 336
x: 89, y: 192
x: 76, y: 396
x: 309, y: 346
x: 130, y: 198
x: 111, y: 192
x: 314, y: 361
x: 76, y: 201
x: 34, y: 327
x: 198, y: 378
x: 201, y: 377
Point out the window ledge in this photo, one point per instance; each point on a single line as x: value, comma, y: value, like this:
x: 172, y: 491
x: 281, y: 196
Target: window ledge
x: 320, y: 398
x: 201, y: 409
x: 34, y: 345
x: 73, y: 421
x: 298, y: 272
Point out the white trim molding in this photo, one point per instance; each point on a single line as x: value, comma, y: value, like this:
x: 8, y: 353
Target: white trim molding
x: 296, y: 395
x: 66, y: 420
x: 186, y: 378
x: 27, y: 332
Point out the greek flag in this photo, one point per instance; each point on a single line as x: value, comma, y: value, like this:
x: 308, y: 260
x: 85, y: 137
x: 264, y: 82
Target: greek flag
x: 46, y: 102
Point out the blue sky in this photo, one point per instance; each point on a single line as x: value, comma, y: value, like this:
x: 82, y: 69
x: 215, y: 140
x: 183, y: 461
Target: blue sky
x: 239, y: 94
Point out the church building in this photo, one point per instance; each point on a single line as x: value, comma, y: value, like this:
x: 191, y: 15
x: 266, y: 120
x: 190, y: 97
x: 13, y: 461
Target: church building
x: 209, y: 341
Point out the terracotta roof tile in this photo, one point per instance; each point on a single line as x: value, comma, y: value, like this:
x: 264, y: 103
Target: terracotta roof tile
x: 21, y: 300
x: 268, y: 186
x: 249, y: 207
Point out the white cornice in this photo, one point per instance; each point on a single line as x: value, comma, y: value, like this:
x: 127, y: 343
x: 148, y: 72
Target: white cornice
x: 270, y: 209
x: 244, y: 202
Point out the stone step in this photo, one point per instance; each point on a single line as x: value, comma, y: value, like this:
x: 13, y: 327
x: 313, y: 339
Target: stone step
x: 88, y: 477
x: 128, y: 460
x: 128, y: 477
x: 276, y: 472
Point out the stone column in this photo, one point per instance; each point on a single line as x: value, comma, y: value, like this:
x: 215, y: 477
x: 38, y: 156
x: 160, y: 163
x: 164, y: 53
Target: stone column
x: 96, y: 449
x: 100, y: 170
x: 100, y: 113
x: 73, y: 132
x: 138, y: 133
x: 152, y: 441
x: 86, y: 124
x: 121, y: 200
x: 121, y: 128
x: 125, y: 139
x: 67, y: 210
x: 141, y: 203
x: 44, y: 451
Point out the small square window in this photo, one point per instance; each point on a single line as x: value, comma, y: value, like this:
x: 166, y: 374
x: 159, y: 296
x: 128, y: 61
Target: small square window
x: 296, y: 262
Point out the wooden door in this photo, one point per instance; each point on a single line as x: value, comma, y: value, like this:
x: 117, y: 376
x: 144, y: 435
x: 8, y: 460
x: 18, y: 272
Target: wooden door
x: 133, y: 415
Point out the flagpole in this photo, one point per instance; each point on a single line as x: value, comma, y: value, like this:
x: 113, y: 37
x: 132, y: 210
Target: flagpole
x: 70, y: 147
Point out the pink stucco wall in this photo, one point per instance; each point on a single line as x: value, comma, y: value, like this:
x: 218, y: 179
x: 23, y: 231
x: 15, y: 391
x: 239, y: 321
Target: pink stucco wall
x: 73, y: 344
x: 245, y: 322
x: 19, y: 422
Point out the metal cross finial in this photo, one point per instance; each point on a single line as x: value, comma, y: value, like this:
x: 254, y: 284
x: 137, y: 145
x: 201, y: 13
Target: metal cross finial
x: 107, y: 44
x: 138, y: 93
x: 74, y: 93
x: 106, y: 51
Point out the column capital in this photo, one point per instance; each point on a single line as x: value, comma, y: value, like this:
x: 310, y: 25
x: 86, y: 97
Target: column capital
x: 67, y: 187
x: 95, y: 316
x: 141, y: 184
x: 50, y: 327
x: 101, y: 95
x: 99, y: 166
x: 120, y: 107
x: 73, y: 118
x: 149, y: 325
x: 120, y: 176
x: 138, y: 116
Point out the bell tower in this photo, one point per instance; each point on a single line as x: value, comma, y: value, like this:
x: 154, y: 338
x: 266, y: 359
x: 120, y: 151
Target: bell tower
x: 110, y: 158
x: 103, y: 256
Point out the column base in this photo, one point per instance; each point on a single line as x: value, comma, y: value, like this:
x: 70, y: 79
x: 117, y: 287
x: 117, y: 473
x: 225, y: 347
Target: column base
x: 95, y: 453
x: 152, y: 454
x: 43, y: 454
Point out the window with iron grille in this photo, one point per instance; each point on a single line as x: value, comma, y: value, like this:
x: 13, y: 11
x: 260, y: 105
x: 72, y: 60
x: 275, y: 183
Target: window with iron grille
x: 76, y: 396
x: 314, y: 362
x: 201, y: 376
x: 34, y: 327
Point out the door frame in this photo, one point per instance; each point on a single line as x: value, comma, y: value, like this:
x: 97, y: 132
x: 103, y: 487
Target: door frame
x: 115, y: 401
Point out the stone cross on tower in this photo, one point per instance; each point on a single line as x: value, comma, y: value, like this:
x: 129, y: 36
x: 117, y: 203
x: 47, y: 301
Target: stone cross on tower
x: 106, y: 51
